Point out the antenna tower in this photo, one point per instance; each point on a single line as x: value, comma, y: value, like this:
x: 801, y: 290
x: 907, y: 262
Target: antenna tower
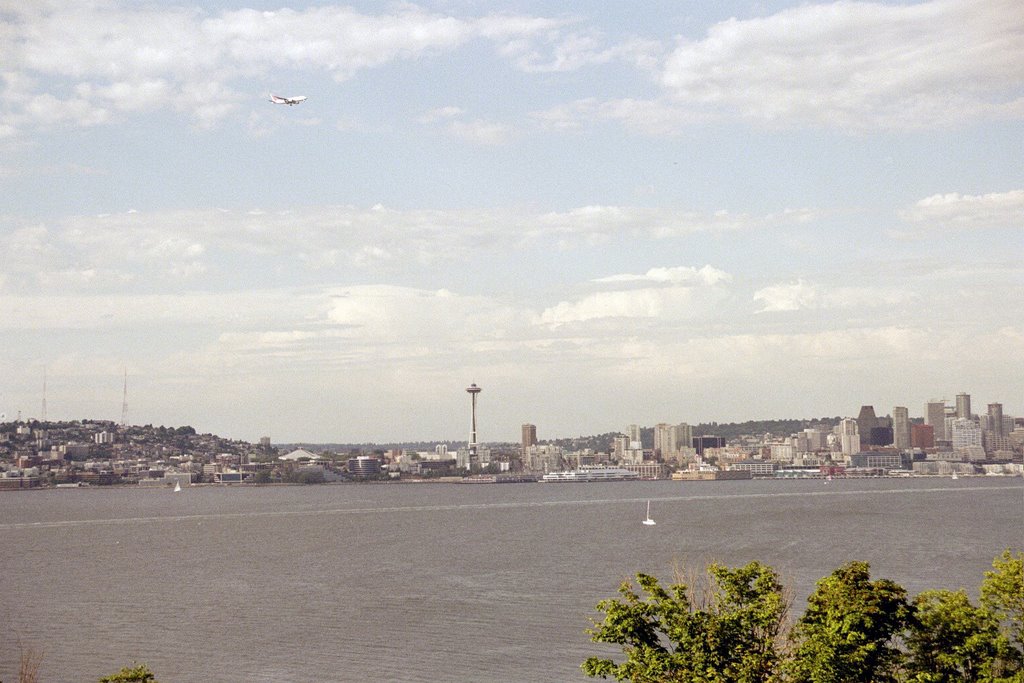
x: 124, y: 402
x: 44, y: 395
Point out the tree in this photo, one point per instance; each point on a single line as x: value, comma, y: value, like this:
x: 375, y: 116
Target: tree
x: 847, y: 634
x: 731, y: 637
x: 952, y: 641
x: 1002, y: 594
x: 136, y: 674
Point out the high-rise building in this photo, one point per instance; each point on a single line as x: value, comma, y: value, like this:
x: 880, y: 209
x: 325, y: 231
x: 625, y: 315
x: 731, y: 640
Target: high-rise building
x: 634, y: 437
x: 866, y: 421
x: 815, y: 439
x: 995, y: 419
x: 965, y: 433
x: 963, y: 406
x: 665, y: 444
x: 922, y: 436
x: 901, y: 427
x: 935, y: 416
x: 849, y: 439
x: 528, y: 435
x: 684, y: 436
x: 701, y: 443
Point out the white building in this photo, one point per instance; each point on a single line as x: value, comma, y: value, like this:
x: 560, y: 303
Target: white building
x: 849, y: 438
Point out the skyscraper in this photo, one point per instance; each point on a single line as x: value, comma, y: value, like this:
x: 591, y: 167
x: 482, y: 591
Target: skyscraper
x: 634, y: 436
x: 866, y: 421
x: 528, y: 435
x: 849, y: 439
x: 995, y: 419
x: 901, y: 427
x: 963, y: 406
x: 684, y: 435
x: 935, y: 415
x: 665, y: 444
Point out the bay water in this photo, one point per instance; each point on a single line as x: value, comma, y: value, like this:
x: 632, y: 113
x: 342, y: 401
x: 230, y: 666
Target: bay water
x: 435, y: 582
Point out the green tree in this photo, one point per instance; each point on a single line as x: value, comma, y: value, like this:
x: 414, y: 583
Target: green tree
x: 950, y: 640
x: 1002, y: 594
x: 731, y: 637
x: 136, y: 674
x: 848, y: 632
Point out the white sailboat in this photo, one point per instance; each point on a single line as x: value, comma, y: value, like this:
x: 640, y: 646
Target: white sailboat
x: 177, y: 486
x: 649, y: 521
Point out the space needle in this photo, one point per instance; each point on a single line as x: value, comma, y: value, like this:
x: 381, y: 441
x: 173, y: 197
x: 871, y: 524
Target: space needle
x: 473, y: 390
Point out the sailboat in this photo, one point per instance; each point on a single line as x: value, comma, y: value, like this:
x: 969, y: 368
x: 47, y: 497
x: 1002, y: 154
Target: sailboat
x: 649, y: 521
x: 177, y: 487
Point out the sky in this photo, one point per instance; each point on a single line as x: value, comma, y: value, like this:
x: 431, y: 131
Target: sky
x: 602, y: 213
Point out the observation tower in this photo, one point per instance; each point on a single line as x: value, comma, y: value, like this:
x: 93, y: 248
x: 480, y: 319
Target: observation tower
x: 473, y: 390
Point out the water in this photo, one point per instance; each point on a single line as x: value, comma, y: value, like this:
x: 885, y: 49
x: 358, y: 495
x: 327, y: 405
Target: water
x: 434, y: 582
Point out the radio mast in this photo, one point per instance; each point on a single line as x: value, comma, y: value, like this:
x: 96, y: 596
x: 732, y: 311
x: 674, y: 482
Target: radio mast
x: 124, y: 403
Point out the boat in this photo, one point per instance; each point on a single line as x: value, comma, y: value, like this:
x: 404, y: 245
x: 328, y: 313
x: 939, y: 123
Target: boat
x: 649, y: 521
x: 177, y: 486
x: 592, y: 473
x: 954, y: 476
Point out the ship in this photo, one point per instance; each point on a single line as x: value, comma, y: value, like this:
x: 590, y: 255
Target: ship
x: 588, y: 473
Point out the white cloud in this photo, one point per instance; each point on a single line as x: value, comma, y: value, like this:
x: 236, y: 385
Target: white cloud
x: 787, y: 297
x: 676, y: 299
x: 166, y: 247
x: 706, y: 275
x: 993, y: 210
x: 859, y: 65
x: 800, y: 295
x: 481, y: 132
x: 637, y: 303
x: 127, y: 58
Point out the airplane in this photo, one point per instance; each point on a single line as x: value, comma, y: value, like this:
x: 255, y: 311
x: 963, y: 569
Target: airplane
x: 287, y: 100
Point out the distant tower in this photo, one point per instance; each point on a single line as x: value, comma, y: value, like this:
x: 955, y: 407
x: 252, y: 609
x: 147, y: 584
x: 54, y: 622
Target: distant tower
x: 124, y: 402
x: 935, y: 416
x: 963, y: 406
x: 44, y: 395
x: 995, y: 419
x: 866, y: 421
x: 529, y: 436
x: 901, y: 427
x: 473, y: 390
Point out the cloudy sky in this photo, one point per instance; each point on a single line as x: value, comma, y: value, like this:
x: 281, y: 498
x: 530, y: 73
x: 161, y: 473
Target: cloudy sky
x: 603, y: 213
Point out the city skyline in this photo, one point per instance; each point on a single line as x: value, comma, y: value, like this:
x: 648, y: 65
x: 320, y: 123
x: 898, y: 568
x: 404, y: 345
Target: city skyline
x: 604, y: 215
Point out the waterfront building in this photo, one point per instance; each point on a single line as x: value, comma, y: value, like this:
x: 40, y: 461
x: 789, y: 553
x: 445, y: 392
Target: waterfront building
x: 364, y: 466
x: 757, y: 468
x: 876, y: 460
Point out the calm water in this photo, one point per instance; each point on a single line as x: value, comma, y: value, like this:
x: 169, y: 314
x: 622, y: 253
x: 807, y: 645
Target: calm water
x: 434, y: 582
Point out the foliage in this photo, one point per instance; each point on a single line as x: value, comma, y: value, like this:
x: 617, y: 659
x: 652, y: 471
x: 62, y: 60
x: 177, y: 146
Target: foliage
x: 136, y: 674
x: 848, y: 631
x: 666, y: 637
x: 1002, y: 594
x: 853, y: 630
x: 950, y: 640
